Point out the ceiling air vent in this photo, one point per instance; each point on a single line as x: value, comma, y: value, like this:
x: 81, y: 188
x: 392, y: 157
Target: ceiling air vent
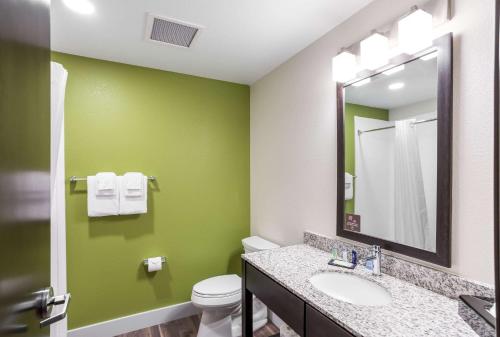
x: 170, y: 31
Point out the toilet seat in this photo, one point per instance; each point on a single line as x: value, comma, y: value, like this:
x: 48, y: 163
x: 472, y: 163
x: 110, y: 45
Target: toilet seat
x: 219, y: 298
x: 224, y: 290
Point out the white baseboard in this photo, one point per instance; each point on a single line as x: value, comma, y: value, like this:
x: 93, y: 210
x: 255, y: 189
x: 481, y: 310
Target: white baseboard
x: 136, y: 322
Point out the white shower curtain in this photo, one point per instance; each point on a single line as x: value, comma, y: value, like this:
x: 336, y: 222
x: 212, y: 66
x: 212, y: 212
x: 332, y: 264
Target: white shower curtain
x: 59, y: 76
x: 412, y: 223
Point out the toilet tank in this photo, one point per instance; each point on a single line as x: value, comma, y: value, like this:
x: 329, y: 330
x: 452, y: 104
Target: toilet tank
x: 256, y: 244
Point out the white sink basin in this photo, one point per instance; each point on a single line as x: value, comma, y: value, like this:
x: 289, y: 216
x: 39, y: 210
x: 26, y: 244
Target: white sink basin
x: 351, y: 288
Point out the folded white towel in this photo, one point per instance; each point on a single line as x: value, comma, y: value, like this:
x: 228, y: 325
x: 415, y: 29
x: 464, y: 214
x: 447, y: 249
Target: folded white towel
x: 349, y: 186
x: 101, y: 205
x: 106, y: 183
x: 133, y: 204
x: 134, y: 184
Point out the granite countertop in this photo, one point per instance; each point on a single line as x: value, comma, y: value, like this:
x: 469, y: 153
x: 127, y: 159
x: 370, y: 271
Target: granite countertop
x: 413, y: 312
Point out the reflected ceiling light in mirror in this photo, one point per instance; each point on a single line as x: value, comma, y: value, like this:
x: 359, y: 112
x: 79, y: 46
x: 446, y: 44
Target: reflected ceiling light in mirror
x: 429, y: 56
x: 374, y: 51
x: 344, y: 67
x: 396, y: 86
x: 415, y: 32
x: 80, y: 6
x: 362, y: 82
x: 394, y: 70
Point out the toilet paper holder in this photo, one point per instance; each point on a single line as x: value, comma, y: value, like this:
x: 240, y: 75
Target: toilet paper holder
x: 163, y: 260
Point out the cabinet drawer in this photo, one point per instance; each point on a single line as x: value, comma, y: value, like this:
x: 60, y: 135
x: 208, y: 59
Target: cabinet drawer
x: 318, y: 325
x: 279, y: 300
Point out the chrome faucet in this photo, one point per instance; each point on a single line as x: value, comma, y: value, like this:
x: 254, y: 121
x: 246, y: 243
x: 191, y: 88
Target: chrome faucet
x: 376, y: 259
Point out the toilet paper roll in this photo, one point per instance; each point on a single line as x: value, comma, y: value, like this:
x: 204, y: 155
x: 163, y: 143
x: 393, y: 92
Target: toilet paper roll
x: 154, y: 264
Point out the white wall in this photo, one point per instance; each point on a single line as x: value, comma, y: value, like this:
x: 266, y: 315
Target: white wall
x: 293, y: 132
x: 412, y: 110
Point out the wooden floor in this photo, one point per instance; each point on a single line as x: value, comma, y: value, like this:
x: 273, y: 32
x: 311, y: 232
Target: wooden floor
x: 188, y: 327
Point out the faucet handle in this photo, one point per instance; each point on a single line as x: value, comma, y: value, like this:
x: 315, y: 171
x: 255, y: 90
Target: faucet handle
x: 376, y: 249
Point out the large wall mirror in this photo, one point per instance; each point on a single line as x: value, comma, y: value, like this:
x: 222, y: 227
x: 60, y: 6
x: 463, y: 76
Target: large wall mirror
x: 394, y: 156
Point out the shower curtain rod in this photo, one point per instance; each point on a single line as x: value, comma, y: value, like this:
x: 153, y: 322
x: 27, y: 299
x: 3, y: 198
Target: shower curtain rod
x: 393, y: 126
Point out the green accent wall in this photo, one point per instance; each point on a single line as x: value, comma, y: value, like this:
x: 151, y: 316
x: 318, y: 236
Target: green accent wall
x: 192, y: 134
x: 350, y: 111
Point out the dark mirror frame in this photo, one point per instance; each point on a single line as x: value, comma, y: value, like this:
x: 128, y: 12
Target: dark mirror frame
x: 496, y: 168
x: 442, y: 256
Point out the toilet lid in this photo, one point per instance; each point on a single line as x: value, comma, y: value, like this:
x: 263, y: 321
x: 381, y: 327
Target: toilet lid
x: 217, y: 286
x: 256, y: 243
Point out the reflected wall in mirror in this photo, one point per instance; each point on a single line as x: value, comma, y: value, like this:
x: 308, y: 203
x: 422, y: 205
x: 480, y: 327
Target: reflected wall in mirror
x: 394, y: 135
x: 391, y: 154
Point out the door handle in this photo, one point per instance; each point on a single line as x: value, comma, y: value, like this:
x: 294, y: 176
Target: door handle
x: 57, y: 300
x: 42, y: 303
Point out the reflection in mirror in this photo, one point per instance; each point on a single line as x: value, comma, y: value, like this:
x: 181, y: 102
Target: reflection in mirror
x: 391, y: 154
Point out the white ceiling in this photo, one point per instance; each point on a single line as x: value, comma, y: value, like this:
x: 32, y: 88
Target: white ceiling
x: 242, y: 40
x: 419, y: 77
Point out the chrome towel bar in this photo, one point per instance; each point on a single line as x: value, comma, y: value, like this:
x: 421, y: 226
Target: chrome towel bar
x: 74, y: 179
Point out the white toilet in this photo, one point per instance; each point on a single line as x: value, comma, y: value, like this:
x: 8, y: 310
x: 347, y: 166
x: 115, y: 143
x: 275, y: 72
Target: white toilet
x: 220, y: 299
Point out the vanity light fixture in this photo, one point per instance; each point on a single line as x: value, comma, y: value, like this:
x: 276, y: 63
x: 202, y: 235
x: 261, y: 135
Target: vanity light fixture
x: 362, y: 82
x: 80, y: 6
x: 429, y: 56
x: 394, y: 70
x: 344, y: 67
x: 396, y: 86
x: 415, y: 31
x: 374, y: 51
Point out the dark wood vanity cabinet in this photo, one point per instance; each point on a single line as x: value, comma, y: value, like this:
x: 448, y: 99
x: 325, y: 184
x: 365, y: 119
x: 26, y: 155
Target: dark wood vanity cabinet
x: 318, y: 325
x: 301, y: 317
x: 279, y: 300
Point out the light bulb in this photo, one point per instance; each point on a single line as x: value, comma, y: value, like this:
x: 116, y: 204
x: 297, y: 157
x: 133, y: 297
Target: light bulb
x: 415, y: 32
x: 374, y: 51
x: 344, y: 67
